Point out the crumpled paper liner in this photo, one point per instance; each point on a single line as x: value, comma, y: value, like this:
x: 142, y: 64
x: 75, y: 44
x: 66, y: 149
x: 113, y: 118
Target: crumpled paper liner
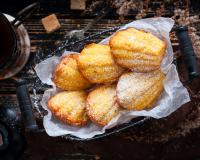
x: 173, y: 96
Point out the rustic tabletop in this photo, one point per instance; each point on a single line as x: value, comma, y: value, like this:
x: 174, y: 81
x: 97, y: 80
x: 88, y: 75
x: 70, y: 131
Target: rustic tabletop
x: 174, y: 137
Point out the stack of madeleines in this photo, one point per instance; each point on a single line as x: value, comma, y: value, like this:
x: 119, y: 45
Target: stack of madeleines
x: 104, y: 79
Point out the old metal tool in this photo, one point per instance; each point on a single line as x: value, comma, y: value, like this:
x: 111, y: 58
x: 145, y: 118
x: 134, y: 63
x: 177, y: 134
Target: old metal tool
x: 187, y: 51
x: 80, y: 33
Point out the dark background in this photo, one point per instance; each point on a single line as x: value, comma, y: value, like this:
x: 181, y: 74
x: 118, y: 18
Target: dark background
x: 175, y: 137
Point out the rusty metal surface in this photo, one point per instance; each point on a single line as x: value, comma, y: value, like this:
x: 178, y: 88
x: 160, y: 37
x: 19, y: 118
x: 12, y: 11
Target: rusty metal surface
x: 173, y: 137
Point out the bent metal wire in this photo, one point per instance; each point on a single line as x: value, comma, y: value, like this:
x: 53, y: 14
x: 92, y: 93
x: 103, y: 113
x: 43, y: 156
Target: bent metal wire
x: 77, y: 45
x: 136, y: 122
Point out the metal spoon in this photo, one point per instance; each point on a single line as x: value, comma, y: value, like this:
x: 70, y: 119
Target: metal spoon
x: 80, y: 33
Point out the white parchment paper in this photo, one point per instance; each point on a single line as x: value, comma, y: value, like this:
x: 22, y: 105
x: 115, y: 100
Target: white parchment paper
x: 173, y: 96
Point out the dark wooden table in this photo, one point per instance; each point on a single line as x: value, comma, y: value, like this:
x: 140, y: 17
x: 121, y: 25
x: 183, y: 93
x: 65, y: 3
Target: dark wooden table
x: 173, y: 137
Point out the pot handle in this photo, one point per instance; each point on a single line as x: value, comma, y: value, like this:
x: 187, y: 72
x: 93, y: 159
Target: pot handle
x: 26, y: 107
x: 187, y: 51
x: 4, y: 135
x: 24, y: 14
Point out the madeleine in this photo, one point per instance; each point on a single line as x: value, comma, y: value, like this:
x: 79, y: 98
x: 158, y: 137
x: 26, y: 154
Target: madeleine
x: 69, y: 107
x: 101, y: 105
x: 67, y: 75
x: 97, y: 64
x: 137, y: 50
x: 139, y: 91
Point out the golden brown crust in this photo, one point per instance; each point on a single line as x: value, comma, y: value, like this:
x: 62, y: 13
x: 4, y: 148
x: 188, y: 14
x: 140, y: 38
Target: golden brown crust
x: 101, y: 105
x: 138, y: 91
x: 97, y: 65
x: 67, y: 76
x: 137, y: 50
x: 69, y: 107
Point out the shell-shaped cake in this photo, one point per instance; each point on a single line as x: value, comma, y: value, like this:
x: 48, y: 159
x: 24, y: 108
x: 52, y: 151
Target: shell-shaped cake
x: 137, y: 50
x: 139, y: 91
x: 97, y: 64
x: 69, y: 107
x: 67, y: 75
x: 102, y: 104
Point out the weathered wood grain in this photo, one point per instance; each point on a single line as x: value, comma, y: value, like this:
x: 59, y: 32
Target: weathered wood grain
x: 174, y: 137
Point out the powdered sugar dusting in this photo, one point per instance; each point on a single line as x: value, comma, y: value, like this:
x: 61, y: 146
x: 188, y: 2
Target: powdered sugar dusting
x: 173, y: 96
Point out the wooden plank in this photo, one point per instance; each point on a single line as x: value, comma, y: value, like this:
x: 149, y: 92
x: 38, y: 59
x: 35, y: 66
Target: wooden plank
x: 157, y: 139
